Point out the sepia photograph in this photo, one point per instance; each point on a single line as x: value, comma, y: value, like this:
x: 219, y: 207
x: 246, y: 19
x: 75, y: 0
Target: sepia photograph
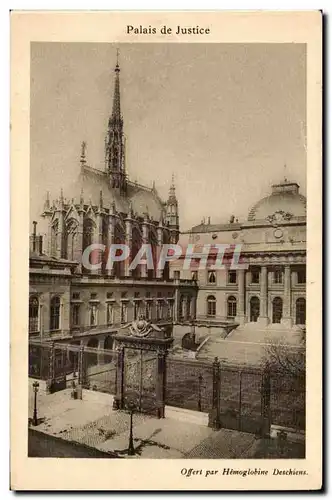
x: 167, y: 287
x: 141, y: 160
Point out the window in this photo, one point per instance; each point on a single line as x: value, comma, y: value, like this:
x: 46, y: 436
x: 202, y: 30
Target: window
x: 170, y: 306
x: 276, y: 310
x: 93, y: 315
x: 124, y: 310
x: 137, y: 309
x: 110, y: 314
x: 300, y: 311
x: 93, y: 296
x: 76, y: 314
x: 212, y: 277
x: 33, y: 314
x: 183, y: 308
x: 255, y: 276
x: 109, y: 295
x: 231, y: 307
x: 277, y: 276
x: 55, y: 314
x: 194, y: 276
x: 123, y: 295
x: 148, y: 310
x: 232, y: 277
x: 76, y: 296
x: 301, y: 276
x: 159, y: 310
x: 211, y: 305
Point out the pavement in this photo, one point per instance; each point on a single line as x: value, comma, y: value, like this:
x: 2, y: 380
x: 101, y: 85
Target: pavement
x: 92, y: 422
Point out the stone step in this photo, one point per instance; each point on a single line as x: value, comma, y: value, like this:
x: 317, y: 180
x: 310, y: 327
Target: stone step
x: 190, y: 416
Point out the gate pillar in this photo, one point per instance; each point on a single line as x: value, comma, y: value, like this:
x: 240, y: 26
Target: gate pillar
x: 141, y: 367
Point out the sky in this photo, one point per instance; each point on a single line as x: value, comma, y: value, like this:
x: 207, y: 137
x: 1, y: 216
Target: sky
x: 228, y: 120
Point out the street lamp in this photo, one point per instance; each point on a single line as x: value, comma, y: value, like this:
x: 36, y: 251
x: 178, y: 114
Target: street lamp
x: 35, y: 386
x: 131, y: 449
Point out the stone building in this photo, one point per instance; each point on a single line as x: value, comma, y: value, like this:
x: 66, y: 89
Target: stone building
x: 69, y: 301
x: 272, y: 242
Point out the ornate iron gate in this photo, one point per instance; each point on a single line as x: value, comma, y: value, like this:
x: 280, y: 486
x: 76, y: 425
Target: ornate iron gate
x: 140, y: 379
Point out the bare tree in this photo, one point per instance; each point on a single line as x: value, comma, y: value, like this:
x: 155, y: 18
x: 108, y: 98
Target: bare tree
x: 285, y: 358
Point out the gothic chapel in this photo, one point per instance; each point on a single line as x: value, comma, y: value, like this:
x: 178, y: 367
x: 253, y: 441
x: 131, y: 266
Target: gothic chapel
x: 108, y: 208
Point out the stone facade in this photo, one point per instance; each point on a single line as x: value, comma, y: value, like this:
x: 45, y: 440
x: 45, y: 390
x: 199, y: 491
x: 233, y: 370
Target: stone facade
x: 272, y: 243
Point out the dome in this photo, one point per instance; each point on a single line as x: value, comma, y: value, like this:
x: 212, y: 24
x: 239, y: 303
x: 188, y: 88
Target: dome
x: 284, y: 203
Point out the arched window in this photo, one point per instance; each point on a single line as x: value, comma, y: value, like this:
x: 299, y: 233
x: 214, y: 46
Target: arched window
x: 54, y: 237
x: 300, y: 311
x: 212, y: 280
x: 33, y: 314
x: 231, y: 307
x: 254, y: 309
x: 136, y: 245
x: 211, y: 305
x: 104, y: 242
x: 119, y: 238
x: 88, y: 232
x: 55, y: 314
x: 153, y: 240
x: 276, y: 310
x: 69, y: 239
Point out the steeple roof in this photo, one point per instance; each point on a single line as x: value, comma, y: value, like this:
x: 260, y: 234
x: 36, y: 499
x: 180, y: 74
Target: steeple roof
x: 116, y: 110
x: 172, y: 195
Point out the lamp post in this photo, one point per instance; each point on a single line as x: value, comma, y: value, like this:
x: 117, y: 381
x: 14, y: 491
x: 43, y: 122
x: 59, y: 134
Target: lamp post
x: 35, y: 386
x: 131, y: 449
x: 200, y: 378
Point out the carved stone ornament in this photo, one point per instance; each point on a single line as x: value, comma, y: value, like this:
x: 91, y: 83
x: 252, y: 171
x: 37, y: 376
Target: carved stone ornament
x: 141, y: 328
x: 278, y: 233
x: 279, y: 216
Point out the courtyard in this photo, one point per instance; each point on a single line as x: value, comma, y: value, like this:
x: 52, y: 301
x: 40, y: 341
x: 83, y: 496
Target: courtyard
x: 96, y: 430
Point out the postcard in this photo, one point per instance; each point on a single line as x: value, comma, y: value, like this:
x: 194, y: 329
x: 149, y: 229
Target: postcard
x: 166, y: 233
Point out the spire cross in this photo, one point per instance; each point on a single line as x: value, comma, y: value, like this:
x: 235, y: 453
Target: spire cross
x: 285, y: 171
x: 117, y: 67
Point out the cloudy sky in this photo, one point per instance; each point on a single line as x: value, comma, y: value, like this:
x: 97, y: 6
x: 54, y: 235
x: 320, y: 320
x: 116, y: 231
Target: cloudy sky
x: 225, y: 118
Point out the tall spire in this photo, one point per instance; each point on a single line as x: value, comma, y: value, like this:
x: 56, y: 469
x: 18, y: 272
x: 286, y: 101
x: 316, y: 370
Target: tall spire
x: 172, y: 212
x: 171, y: 195
x: 83, y: 154
x: 116, y: 111
x: 115, y: 143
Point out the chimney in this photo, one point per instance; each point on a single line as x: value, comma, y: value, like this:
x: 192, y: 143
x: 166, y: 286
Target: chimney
x: 40, y: 244
x: 34, y: 234
x: 36, y: 241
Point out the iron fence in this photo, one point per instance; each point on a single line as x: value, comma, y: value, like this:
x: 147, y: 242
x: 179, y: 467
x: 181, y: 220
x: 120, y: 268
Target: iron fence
x: 235, y: 397
x: 65, y: 365
x: 189, y: 384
